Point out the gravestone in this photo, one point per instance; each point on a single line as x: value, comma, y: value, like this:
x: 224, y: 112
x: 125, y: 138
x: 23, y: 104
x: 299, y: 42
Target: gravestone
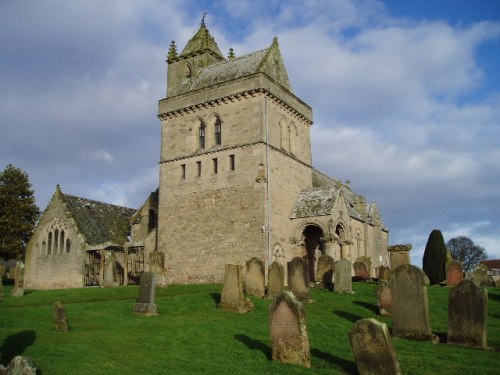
x: 18, y: 289
x: 361, y: 271
x: 255, y: 278
x: 399, y: 255
x: 410, y: 309
x: 145, y: 302
x: 276, y: 279
x: 372, y: 348
x: 467, y: 312
x: 21, y: 366
x: 343, y: 280
x: 324, y: 271
x: 60, y: 317
x: 298, y: 278
x: 369, y: 264
x: 384, y: 298
x: 232, y: 296
x: 287, y: 324
x: 1, y: 282
x: 480, y: 276
x: 454, y: 273
x: 110, y: 267
x: 384, y: 273
x: 157, y: 265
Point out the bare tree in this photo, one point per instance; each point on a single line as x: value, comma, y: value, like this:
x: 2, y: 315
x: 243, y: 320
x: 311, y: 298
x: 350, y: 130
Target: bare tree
x: 466, y: 251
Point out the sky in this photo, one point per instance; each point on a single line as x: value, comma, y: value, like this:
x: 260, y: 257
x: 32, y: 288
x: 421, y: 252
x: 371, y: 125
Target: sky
x: 405, y: 96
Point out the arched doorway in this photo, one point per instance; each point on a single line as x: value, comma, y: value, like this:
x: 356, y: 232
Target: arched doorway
x: 340, y: 233
x: 314, y: 246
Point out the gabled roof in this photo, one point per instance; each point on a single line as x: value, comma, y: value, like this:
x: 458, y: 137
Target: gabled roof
x: 492, y: 264
x: 99, y: 222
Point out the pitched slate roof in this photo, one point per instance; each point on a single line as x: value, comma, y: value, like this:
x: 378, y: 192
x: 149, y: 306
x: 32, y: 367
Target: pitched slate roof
x: 315, y: 202
x: 99, y: 222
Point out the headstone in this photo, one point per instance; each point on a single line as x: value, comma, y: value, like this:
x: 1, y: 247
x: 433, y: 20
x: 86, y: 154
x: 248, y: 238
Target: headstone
x: 60, y: 317
x: 343, y: 280
x: 1, y: 282
x: 324, y: 272
x: 372, y: 348
x: 410, y: 309
x: 18, y: 289
x: 384, y: 273
x: 110, y: 270
x: 145, y: 302
x: 276, y: 279
x: 454, y: 273
x: 232, y: 296
x: 157, y: 265
x: 480, y: 276
x: 384, y: 298
x: 399, y: 255
x: 298, y: 278
x: 255, y: 278
x: 361, y: 271
x: 467, y: 312
x: 21, y: 366
x: 287, y: 324
x: 369, y: 264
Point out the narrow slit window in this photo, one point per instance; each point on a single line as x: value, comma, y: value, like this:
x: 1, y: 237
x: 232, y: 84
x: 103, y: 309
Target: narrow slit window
x: 218, y: 132
x: 183, y: 171
x: 232, y: 164
x: 215, y: 165
x: 198, y: 168
x: 201, y: 134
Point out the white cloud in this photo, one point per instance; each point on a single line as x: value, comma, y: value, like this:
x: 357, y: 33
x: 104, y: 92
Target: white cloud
x: 98, y: 155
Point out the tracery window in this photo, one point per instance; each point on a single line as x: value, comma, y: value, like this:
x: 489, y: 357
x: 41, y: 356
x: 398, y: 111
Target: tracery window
x: 218, y: 131
x: 55, y: 240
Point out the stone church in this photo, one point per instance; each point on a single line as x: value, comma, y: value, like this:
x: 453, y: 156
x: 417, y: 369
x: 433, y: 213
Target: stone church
x: 236, y: 181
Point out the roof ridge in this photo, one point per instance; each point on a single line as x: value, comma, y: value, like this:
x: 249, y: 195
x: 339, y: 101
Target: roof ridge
x: 96, y: 201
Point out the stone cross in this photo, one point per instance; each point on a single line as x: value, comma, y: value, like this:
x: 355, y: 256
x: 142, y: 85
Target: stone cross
x: 324, y: 271
x: 287, y: 324
x: 60, y: 317
x: 467, y: 312
x: 18, y: 289
x: 298, y: 278
x: 276, y: 279
x: 145, y: 302
x: 384, y: 297
x: 361, y: 271
x: 410, y: 309
x: 232, y: 296
x: 255, y: 278
x: 372, y: 348
x: 343, y: 280
x: 454, y: 273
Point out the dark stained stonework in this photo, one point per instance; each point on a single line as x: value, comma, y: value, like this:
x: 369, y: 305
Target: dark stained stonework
x: 60, y: 318
x: 361, y: 272
x: 324, y: 271
x: 298, y: 278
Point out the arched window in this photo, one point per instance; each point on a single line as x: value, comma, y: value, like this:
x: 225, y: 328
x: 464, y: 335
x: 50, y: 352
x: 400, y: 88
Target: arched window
x: 56, y: 240
x: 49, y: 245
x: 189, y: 72
x: 68, y: 245
x: 201, y: 135
x: 44, y: 247
x: 61, y: 242
x: 218, y: 131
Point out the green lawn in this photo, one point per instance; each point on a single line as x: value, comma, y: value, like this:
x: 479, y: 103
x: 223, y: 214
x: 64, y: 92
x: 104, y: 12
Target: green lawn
x: 191, y: 336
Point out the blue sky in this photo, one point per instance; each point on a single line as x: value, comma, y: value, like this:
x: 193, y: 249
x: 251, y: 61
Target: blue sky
x: 405, y: 94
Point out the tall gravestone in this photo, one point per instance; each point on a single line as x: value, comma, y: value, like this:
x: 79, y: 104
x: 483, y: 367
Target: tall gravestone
x: 298, y: 278
x: 399, y: 255
x: 255, y: 282
x: 324, y: 271
x: 288, y: 327
x: 372, y: 348
x: 467, y: 313
x: 361, y: 271
x: 384, y: 298
x: 60, y: 317
x: 410, y: 309
x: 343, y: 280
x: 232, y: 296
x: 384, y: 273
x: 454, y: 273
x: 18, y: 289
x: 157, y: 265
x: 276, y: 279
x: 145, y: 302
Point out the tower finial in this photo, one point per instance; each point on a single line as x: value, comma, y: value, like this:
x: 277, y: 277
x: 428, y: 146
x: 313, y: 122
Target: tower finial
x: 203, y: 19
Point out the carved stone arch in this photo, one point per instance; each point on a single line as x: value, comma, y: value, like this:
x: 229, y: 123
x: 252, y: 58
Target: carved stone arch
x: 188, y: 70
x: 341, y: 234
x: 197, y: 125
x: 283, y: 129
x: 214, y: 130
x: 278, y: 252
x: 312, y: 242
x: 292, y: 136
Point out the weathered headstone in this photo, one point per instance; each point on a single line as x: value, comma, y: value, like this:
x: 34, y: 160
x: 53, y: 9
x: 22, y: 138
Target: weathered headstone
x: 343, y: 280
x: 324, y: 271
x: 145, y: 302
x: 372, y: 348
x: 384, y: 273
x: 255, y: 278
x: 399, y: 255
x: 369, y: 264
x: 18, y: 289
x: 232, y: 296
x: 467, y: 312
x: 384, y: 298
x: 480, y: 276
x: 157, y: 265
x: 454, y: 273
x: 21, y: 366
x: 276, y: 279
x: 361, y: 271
x: 288, y: 327
x: 410, y: 309
x: 298, y: 278
x: 60, y: 317
x: 110, y: 270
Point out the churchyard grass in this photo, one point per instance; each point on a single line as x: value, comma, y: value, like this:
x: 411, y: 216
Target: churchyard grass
x: 191, y: 336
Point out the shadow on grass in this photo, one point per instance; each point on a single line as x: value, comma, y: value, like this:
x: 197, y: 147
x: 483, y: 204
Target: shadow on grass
x: 347, y: 366
x: 496, y: 297
x: 346, y: 315
x: 16, y: 345
x: 255, y: 345
x: 369, y: 306
x: 443, y: 337
x: 216, y: 298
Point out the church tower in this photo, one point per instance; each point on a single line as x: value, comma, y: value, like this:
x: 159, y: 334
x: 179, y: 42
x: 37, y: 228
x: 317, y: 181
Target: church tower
x: 235, y: 154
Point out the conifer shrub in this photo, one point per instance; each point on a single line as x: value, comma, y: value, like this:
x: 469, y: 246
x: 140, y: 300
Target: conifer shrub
x: 435, y: 256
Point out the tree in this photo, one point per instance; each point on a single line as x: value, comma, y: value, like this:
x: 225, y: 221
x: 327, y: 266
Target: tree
x: 435, y: 256
x: 466, y: 251
x: 18, y: 212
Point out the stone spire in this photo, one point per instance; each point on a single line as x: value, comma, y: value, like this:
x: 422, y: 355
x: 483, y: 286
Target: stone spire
x: 202, y: 42
x: 172, y: 51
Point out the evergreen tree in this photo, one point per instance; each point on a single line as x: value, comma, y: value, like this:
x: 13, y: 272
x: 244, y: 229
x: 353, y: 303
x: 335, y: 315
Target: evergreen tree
x: 18, y: 212
x: 435, y: 256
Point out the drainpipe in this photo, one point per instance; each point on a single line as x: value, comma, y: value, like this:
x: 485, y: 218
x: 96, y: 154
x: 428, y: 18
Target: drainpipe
x: 268, y: 183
